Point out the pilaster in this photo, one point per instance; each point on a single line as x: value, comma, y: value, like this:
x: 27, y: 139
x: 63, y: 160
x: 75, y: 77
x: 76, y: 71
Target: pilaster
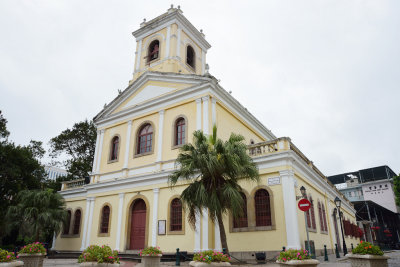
x: 100, y: 151
x: 160, y: 137
x: 96, y: 151
x: 139, y: 56
x: 128, y: 141
x: 198, y: 114
x: 167, y: 46
x: 204, y: 230
x: 206, y: 129
x: 119, y: 223
x: 197, y: 232
x: 85, y: 224
x: 156, y: 192
x: 91, y: 199
x: 213, y: 111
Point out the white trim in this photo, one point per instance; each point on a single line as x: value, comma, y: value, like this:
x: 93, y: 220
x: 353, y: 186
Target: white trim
x: 213, y: 111
x: 142, y: 170
x: 112, y: 175
x: 96, y: 151
x: 85, y: 224
x: 154, y: 37
x: 204, y: 230
x: 167, y: 46
x: 128, y: 140
x: 206, y: 129
x: 289, y: 202
x: 119, y: 223
x: 198, y: 114
x: 139, y: 55
x: 53, y: 245
x: 203, y: 62
x: 160, y: 135
x: 155, y: 217
x: 178, y: 43
x: 100, y: 151
x: 217, y: 237
x: 197, y: 232
x: 90, y: 221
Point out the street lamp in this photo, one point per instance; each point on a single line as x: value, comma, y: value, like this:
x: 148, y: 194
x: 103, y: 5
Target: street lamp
x: 303, y: 191
x: 338, y: 203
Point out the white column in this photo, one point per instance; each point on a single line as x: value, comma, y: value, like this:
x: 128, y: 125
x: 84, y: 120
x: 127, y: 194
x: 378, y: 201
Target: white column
x: 100, y: 150
x: 85, y: 224
x: 96, y: 151
x: 206, y: 129
x: 203, y: 62
x: 119, y: 224
x: 290, y: 205
x: 213, y: 111
x: 160, y: 135
x: 155, y: 217
x: 128, y: 140
x: 217, y: 237
x: 90, y: 221
x: 198, y: 114
x: 168, y: 41
x: 53, y: 245
x: 197, y: 232
x: 204, y: 230
x: 178, y: 43
x: 139, y: 55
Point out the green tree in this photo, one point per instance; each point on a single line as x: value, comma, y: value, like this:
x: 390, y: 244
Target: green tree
x: 4, y: 133
x: 78, y: 145
x: 37, y: 214
x: 213, y: 169
x: 396, y: 182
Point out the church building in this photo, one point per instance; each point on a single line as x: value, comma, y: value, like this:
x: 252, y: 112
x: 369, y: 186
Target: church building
x: 128, y: 203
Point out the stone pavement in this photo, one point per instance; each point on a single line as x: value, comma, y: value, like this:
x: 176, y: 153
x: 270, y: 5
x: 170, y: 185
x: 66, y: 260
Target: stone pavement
x: 333, y: 262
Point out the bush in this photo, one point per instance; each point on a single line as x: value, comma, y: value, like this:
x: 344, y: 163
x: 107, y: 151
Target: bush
x: 6, y: 256
x: 150, y: 251
x: 211, y: 256
x: 293, y: 254
x: 367, y: 248
x: 33, y: 248
x: 103, y: 254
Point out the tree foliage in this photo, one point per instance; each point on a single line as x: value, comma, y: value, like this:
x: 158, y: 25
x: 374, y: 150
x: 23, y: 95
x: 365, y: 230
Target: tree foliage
x: 37, y: 213
x: 213, y: 169
x: 78, y: 145
x: 396, y: 182
x: 4, y: 133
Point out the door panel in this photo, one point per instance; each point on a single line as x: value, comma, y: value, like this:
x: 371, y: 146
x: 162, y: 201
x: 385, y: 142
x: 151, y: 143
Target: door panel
x: 138, y: 225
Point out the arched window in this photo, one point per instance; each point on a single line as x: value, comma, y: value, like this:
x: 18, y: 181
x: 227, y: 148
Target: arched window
x: 154, y: 51
x: 77, y: 222
x: 263, y: 208
x: 241, y: 221
x: 312, y: 214
x: 180, y: 131
x: 114, y: 148
x: 67, y: 224
x: 145, y: 139
x: 105, y: 219
x: 321, y: 222
x: 324, y: 218
x: 190, y: 56
x: 176, y: 215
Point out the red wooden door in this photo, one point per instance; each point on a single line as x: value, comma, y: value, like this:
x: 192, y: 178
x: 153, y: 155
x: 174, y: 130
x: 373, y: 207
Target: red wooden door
x: 138, y: 225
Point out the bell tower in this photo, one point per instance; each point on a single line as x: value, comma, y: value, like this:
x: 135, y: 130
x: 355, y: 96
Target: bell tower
x: 170, y: 43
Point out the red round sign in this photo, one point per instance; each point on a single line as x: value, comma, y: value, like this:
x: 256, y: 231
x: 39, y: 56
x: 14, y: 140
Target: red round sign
x: 304, y: 204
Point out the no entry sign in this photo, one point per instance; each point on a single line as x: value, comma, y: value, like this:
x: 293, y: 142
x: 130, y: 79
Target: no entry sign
x: 304, y: 204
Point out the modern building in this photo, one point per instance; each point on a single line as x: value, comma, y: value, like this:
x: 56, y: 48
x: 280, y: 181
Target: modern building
x: 128, y: 203
x: 371, y: 191
x: 54, y: 172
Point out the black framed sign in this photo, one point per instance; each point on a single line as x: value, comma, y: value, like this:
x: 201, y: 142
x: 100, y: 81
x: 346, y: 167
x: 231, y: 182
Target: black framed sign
x: 161, y: 227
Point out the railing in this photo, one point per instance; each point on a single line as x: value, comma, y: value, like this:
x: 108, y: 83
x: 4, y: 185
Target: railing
x: 72, y: 184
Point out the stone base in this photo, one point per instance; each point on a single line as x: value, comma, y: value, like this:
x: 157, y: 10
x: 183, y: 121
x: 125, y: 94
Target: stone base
x: 87, y: 264
x: 32, y: 260
x: 358, y: 260
x: 11, y: 264
x: 302, y: 263
x: 151, y: 261
x: 203, y: 264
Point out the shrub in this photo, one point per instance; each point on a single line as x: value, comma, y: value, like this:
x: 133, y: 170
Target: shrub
x: 293, y: 254
x: 103, y: 254
x: 33, y: 248
x: 367, y: 248
x: 211, y: 256
x: 150, y: 251
x: 6, y: 256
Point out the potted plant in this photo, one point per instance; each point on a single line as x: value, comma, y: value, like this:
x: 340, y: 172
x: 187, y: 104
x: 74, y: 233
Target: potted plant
x: 8, y: 259
x: 368, y: 255
x: 32, y: 255
x: 210, y: 258
x: 151, y: 256
x: 99, y: 256
x: 296, y: 257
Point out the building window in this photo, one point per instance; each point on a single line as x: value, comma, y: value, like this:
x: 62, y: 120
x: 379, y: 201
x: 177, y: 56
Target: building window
x: 311, y: 215
x: 154, y: 51
x: 190, y: 56
x: 67, y: 224
x: 176, y: 215
x: 145, y: 139
x: 114, y: 148
x: 77, y: 222
x: 180, y: 131
x: 105, y: 219
x: 324, y: 218
x: 262, y: 208
x: 241, y: 221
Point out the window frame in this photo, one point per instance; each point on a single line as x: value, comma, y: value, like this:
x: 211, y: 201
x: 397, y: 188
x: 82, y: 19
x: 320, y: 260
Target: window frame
x: 245, y: 215
x: 137, y: 140
x: 68, y: 233
x: 148, y: 60
x: 73, y: 234
x: 174, y: 131
x: 111, y: 149
x: 169, y: 218
x: 194, y: 57
x: 99, y: 233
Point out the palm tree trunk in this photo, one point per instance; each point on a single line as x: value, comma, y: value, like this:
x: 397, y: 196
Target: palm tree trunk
x: 222, y: 233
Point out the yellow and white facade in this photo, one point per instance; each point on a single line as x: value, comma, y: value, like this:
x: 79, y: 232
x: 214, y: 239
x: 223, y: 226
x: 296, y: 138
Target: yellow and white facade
x: 170, y: 83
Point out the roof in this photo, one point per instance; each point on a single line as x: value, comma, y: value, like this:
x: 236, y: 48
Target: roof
x: 364, y: 175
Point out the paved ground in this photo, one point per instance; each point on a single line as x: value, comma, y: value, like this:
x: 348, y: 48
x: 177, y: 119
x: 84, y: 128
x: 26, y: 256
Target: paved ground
x: 333, y: 262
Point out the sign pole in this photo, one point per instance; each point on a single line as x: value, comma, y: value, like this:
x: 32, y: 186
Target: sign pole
x: 308, y: 238
x: 304, y: 206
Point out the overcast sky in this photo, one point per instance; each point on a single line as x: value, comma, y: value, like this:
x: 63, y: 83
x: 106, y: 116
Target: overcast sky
x: 324, y: 73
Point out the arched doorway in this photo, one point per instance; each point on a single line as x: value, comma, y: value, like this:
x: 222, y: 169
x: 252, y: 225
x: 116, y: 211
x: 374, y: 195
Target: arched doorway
x: 138, y: 225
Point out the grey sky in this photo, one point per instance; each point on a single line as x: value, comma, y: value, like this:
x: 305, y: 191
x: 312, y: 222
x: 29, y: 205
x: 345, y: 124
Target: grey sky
x: 324, y: 73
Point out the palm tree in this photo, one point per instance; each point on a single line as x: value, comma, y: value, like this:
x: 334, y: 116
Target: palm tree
x: 37, y: 213
x: 213, y: 169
